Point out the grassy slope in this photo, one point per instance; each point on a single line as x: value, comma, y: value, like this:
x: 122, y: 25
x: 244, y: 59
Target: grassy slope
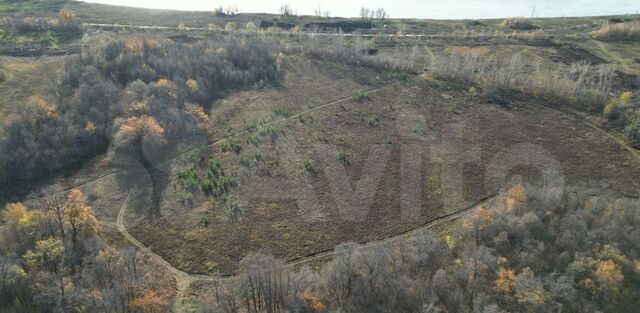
x: 275, y: 225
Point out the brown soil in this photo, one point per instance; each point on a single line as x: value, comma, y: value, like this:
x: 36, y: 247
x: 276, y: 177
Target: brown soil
x: 624, y: 81
x: 571, y: 54
x: 282, y: 218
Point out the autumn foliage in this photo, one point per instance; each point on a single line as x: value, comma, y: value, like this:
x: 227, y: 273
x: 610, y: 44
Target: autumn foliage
x: 126, y: 91
x: 52, y: 259
x: 557, y: 252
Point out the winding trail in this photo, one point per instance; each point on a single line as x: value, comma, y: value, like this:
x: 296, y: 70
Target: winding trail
x: 216, y: 141
x: 184, y: 279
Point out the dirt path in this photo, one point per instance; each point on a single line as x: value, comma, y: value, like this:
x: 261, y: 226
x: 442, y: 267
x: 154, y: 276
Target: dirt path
x: 612, y: 56
x: 184, y: 279
x: 214, y: 141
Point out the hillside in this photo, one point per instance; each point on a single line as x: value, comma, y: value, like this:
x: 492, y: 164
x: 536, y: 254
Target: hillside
x: 496, y: 158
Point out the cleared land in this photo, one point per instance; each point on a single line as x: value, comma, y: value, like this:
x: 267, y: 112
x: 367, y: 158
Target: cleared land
x: 292, y: 141
x: 431, y: 118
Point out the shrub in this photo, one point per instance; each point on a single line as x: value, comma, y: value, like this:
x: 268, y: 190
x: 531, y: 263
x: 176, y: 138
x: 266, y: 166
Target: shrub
x: 207, y: 186
x: 309, y: 165
x: 337, y: 49
x: 282, y: 111
x: 620, y: 103
x: 399, y: 75
x: 271, y: 130
x: 231, y: 26
x: 188, y: 183
x: 578, y: 84
x: 230, y: 145
x: 231, y: 208
x: 518, y: 23
x: 622, y: 111
x: 372, y: 119
x: 342, y: 156
x: 214, y: 184
x: 214, y: 168
x: 212, y: 27
x: 121, y: 79
x: 618, y: 32
x: 244, y: 160
x: 66, y: 23
x: 360, y: 96
x: 251, y: 27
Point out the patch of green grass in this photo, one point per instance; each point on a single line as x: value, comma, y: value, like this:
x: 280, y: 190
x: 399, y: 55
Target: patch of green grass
x: 216, y: 183
x: 282, y: 111
x: 360, y: 96
x: 344, y: 141
x: 399, y: 75
x: 342, y: 156
x: 372, y: 119
x: 632, y: 120
x: 244, y: 160
x: 230, y: 144
x: 255, y: 139
x: 231, y: 208
x: 188, y: 182
x: 309, y: 165
x: 271, y: 130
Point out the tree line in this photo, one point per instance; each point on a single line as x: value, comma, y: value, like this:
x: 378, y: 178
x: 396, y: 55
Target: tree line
x: 136, y: 96
x: 53, y: 259
x: 535, y: 250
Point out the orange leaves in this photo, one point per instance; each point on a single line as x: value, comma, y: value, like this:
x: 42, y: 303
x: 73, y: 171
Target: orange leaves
x: 192, y: 84
x: 164, y: 83
x: 134, y: 44
x: 516, y: 196
x: 79, y: 214
x: 169, y: 87
x: 505, y: 281
x: 609, y: 274
x: 199, y: 113
x: 485, y: 216
x: 44, y: 108
x: 67, y: 16
x: 143, y: 127
x: 15, y: 213
x: 313, y: 301
x: 149, y: 301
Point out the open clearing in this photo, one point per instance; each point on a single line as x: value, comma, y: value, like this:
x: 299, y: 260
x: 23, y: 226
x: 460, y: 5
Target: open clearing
x: 337, y: 152
x: 436, y: 120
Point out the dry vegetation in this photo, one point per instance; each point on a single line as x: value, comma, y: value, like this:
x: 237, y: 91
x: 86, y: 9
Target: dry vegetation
x: 519, y: 23
x: 540, y: 250
x: 618, y: 32
x: 579, y: 83
x: 104, y: 91
x: 43, y: 30
x: 239, y: 101
x: 53, y: 259
x: 624, y: 112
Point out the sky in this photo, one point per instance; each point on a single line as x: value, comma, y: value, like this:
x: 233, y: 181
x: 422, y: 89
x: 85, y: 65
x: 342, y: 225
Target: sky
x: 438, y: 9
